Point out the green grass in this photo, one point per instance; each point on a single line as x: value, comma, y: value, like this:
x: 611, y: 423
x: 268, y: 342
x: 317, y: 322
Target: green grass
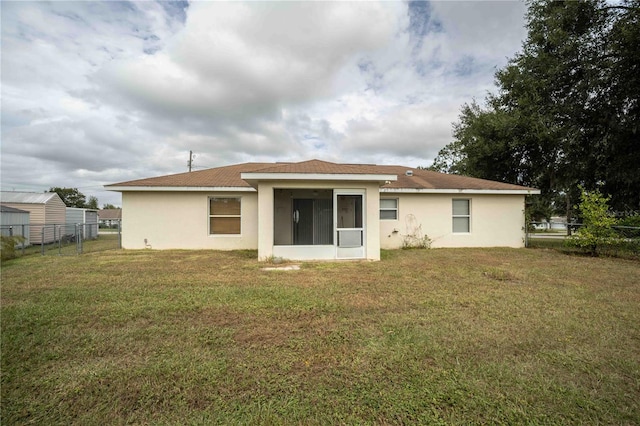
x: 457, y: 336
x: 108, y: 241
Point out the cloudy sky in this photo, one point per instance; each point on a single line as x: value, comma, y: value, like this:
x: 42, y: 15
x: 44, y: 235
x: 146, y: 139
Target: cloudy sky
x: 102, y: 92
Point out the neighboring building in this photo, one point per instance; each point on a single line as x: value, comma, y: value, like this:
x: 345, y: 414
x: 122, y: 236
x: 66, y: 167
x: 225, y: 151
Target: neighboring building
x: 47, y: 213
x: 87, y: 218
x: 14, y: 222
x: 319, y: 210
x: 109, y: 217
x: 557, y: 223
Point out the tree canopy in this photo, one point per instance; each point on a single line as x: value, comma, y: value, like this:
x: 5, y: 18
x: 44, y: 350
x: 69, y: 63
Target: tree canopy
x: 74, y: 198
x: 92, y: 203
x: 566, y: 111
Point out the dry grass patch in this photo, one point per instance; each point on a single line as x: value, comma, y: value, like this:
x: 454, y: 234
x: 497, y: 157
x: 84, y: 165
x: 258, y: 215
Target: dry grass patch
x: 438, y: 336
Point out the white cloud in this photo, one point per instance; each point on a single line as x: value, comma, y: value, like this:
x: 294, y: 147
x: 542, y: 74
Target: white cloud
x: 232, y: 60
x: 100, y: 92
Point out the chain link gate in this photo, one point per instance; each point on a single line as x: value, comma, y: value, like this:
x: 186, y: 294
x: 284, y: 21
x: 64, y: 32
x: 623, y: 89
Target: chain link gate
x: 75, y: 239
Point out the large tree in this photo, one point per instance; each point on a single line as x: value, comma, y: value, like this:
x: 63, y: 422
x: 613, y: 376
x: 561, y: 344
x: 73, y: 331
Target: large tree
x: 71, y: 196
x: 566, y: 112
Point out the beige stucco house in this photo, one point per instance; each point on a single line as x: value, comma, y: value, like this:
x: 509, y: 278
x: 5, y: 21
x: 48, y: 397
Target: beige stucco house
x: 319, y: 210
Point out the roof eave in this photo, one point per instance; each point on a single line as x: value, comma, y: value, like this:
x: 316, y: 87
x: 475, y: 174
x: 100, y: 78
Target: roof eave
x: 528, y: 191
x: 142, y: 188
x: 254, y: 178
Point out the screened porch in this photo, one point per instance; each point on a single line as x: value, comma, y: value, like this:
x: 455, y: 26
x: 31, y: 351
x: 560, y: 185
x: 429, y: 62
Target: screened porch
x: 305, y: 220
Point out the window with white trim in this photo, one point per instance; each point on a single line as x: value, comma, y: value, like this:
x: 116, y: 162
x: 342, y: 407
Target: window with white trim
x: 461, y: 216
x: 388, y: 209
x: 224, y: 216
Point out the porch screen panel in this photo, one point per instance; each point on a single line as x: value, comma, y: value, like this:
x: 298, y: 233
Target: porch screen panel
x: 323, y: 222
x: 349, y: 238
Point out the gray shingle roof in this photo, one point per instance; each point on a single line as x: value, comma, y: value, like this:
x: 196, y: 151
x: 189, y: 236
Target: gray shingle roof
x: 110, y: 214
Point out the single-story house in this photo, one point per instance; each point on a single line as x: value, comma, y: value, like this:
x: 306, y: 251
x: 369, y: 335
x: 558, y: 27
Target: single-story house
x: 319, y: 210
x: 15, y: 222
x: 47, y: 213
x: 87, y: 218
x: 109, y: 217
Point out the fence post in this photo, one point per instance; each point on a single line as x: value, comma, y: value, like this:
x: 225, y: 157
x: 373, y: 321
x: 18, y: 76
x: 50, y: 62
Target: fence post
x: 120, y: 234
x: 24, y: 240
x: 42, y: 239
x: 11, y: 231
x: 78, y: 238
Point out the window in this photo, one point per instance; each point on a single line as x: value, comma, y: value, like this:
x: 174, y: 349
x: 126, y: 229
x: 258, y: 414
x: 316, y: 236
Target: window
x: 224, y: 216
x: 389, y: 209
x: 461, y: 216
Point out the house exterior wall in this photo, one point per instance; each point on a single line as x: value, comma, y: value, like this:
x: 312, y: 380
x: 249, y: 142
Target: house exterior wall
x: 180, y: 220
x: 496, y: 220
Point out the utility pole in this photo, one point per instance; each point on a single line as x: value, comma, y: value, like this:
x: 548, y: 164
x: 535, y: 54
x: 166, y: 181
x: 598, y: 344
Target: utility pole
x: 191, y: 156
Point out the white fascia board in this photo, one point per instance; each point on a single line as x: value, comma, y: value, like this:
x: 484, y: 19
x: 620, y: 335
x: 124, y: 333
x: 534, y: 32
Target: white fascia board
x: 460, y: 191
x: 319, y: 176
x: 180, y: 188
x: 82, y: 208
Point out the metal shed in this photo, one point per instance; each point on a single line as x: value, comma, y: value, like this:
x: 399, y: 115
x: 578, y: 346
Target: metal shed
x: 46, y: 210
x: 14, y: 222
x: 88, y: 218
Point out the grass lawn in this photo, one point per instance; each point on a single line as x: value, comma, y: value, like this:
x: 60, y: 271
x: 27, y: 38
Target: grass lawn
x: 453, y: 336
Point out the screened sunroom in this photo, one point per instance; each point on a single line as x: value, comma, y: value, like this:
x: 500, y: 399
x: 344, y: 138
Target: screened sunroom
x: 305, y: 220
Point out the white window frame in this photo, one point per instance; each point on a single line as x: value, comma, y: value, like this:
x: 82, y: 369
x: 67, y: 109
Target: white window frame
x: 461, y: 216
x: 395, y: 209
x: 212, y: 216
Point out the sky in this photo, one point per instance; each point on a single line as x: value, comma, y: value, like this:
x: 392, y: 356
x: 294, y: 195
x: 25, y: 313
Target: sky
x: 94, y: 93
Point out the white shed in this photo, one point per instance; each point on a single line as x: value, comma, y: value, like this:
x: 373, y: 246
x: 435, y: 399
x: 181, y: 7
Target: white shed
x: 88, y: 218
x: 47, y: 209
x: 14, y: 222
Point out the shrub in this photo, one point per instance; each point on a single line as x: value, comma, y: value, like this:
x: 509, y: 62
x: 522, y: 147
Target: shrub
x: 633, y: 220
x: 414, y: 238
x: 8, y: 246
x: 597, y: 232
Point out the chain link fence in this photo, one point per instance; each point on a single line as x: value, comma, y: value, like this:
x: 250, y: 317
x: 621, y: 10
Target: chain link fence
x: 58, y: 239
x: 624, y: 241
